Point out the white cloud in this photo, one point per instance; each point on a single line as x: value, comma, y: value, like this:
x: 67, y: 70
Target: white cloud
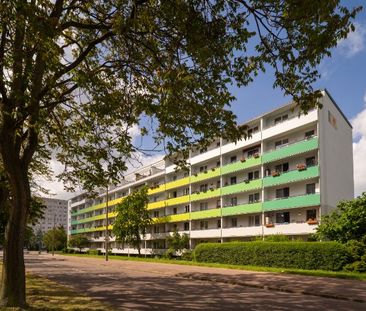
x: 354, y: 43
x: 359, y: 150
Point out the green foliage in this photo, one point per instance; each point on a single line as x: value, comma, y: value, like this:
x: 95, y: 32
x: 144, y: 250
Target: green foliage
x: 187, y: 255
x: 79, y: 241
x: 132, y: 218
x: 178, y: 242
x: 357, y: 249
x: 347, y: 222
x: 299, y: 255
x: 277, y: 238
x: 55, y: 239
x: 94, y: 252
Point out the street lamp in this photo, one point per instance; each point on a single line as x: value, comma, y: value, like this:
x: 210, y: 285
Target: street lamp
x: 106, y: 228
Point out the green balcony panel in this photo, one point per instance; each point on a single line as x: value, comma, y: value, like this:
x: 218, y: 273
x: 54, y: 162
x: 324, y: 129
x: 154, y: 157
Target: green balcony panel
x: 252, y: 185
x: 98, y: 206
x: 291, y: 176
x: 210, y: 213
x: 97, y: 217
x: 180, y: 200
x: 292, y: 202
x: 211, y: 173
x: 238, y: 166
x: 205, y: 195
x: 242, y: 209
x: 290, y: 150
x: 92, y: 229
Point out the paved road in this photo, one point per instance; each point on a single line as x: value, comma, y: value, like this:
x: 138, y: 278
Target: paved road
x: 128, y: 285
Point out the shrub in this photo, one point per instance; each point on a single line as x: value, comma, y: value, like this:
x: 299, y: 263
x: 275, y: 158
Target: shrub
x: 187, y: 255
x: 94, y: 252
x: 71, y: 251
x: 298, y: 255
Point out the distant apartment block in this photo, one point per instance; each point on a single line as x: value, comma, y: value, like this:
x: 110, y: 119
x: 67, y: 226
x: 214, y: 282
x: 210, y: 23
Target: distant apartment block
x: 55, y: 214
x: 290, y: 171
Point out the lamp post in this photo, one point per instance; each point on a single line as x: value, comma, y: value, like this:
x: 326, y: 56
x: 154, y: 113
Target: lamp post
x: 106, y: 228
x: 53, y: 235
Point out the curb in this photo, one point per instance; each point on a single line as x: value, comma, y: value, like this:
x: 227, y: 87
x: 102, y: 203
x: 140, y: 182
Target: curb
x: 194, y: 276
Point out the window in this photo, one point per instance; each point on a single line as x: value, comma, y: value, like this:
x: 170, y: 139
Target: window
x: 156, y: 213
x: 234, y: 201
x: 203, y: 187
x: 310, y: 188
x: 218, y: 184
x: 186, y: 208
x: 252, y: 152
x: 309, y: 134
x: 218, y: 164
x: 281, y: 143
x: 203, y: 168
x: 218, y: 203
x: 283, y: 193
x: 233, y: 180
x: 156, y: 229
x: 254, y: 220
x: 233, y: 159
x: 203, y: 206
x: 203, y: 150
x: 186, y: 226
x: 253, y: 197
x: 219, y: 223
x: 174, y: 194
x: 310, y: 161
x: 280, y: 119
x: 186, y: 191
x: 174, y: 210
x: 282, y: 167
x: 174, y: 178
x: 282, y: 218
x: 218, y: 144
x: 253, y: 175
x: 311, y: 214
x: 203, y: 224
x: 234, y: 222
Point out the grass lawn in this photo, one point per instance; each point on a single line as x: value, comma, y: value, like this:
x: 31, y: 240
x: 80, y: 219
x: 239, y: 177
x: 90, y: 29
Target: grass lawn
x: 44, y: 295
x: 320, y: 273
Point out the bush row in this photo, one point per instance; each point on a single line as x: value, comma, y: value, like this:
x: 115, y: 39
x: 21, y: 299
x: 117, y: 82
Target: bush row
x: 298, y: 255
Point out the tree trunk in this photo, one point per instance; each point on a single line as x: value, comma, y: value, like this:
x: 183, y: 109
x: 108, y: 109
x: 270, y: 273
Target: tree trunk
x: 12, y: 293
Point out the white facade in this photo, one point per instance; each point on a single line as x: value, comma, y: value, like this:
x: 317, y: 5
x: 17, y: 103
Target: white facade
x: 55, y: 215
x: 291, y: 170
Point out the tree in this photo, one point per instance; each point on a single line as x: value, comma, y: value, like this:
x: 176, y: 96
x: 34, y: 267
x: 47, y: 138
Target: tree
x: 178, y: 242
x: 346, y: 223
x: 79, y: 241
x: 132, y: 219
x: 55, y: 239
x: 76, y: 76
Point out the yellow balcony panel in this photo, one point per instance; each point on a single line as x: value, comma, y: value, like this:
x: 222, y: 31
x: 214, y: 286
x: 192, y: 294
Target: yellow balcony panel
x: 156, y: 189
x: 180, y: 200
x: 177, y: 183
x: 155, y: 205
x: 172, y: 218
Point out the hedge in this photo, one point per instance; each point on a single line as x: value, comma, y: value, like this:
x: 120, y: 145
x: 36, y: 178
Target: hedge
x: 298, y: 255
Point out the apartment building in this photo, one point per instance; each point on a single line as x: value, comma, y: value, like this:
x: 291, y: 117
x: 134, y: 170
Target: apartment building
x: 290, y: 171
x: 55, y: 214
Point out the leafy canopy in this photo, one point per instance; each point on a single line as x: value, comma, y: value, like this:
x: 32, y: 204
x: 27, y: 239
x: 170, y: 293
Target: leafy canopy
x: 132, y: 218
x: 346, y: 223
x: 79, y: 241
x: 178, y: 242
x: 55, y: 238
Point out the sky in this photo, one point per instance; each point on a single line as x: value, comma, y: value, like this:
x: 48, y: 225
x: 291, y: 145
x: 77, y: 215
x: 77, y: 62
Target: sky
x: 343, y: 75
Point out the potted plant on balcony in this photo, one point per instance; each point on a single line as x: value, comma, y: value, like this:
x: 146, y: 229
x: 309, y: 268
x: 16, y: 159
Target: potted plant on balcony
x: 256, y: 155
x: 195, y: 174
x: 276, y: 173
x: 213, y: 169
x: 197, y: 192
x: 270, y: 225
x: 246, y: 181
x: 312, y: 221
x: 301, y: 167
x: 205, y: 171
x: 242, y: 159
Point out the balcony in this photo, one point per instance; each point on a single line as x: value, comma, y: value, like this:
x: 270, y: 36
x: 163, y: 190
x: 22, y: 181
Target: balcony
x: 172, y: 218
x: 210, y: 213
x: 291, y: 228
x: 179, y: 200
x: 290, y: 150
x: 292, y: 202
x: 205, y: 195
x: 241, y: 187
x: 291, y: 176
x: 242, y: 209
x: 239, y: 165
x: 210, y: 173
x: 177, y: 183
x: 91, y: 229
x: 207, y: 233
x: 241, y: 231
x: 97, y: 217
x: 98, y: 206
x: 156, y: 189
x: 155, y: 205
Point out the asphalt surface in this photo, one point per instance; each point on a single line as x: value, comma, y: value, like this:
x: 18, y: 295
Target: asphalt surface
x: 131, y: 285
